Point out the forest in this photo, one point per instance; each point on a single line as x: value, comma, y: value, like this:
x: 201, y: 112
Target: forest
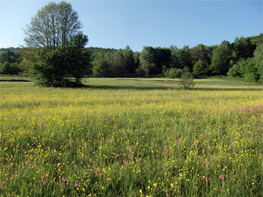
x: 242, y: 58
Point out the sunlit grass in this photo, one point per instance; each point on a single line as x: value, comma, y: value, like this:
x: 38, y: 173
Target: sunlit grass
x: 131, y: 137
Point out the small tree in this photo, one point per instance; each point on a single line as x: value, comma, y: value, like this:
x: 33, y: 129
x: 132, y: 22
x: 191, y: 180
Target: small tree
x: 187, y: 79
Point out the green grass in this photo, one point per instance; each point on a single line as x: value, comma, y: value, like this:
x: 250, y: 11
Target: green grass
x: 131, y: 137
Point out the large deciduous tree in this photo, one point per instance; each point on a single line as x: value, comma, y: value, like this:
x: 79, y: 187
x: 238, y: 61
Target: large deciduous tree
x: 55, y: 44
x: 52, y: 26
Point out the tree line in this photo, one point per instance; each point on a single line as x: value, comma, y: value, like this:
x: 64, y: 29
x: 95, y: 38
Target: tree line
x: 242, y: 58
x: 55, y: 54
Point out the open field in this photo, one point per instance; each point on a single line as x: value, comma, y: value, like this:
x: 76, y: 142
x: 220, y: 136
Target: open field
x: 132, y: 137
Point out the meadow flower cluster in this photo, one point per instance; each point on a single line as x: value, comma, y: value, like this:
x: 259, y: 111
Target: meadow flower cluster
x: 95, y: 142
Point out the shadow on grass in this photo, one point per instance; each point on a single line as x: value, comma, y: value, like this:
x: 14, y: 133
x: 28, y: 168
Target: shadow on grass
x: 14, y: 80
x: 119, y: 87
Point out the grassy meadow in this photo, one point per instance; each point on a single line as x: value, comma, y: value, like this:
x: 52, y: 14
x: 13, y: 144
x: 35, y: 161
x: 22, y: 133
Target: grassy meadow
x: 131, y: 137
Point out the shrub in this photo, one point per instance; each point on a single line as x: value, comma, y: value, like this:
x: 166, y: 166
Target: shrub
x: 187, y: 80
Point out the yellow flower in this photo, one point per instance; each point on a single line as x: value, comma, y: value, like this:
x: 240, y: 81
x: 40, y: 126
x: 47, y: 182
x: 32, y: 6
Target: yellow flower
x: 154, y: 184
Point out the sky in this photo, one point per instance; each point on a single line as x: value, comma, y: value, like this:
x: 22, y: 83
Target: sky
x: 137, y: 23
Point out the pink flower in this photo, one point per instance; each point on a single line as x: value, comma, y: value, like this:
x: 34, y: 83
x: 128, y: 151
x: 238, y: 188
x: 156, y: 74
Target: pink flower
x: 206, y: 178
x: 75, y: 166
x: 165, y: 147
x: 44, y: 176
x: 206, y: 161
x: 113, y: 153
x: 44, y: 182
x: 76, y: 184
x: 64, y: 179
x: 222, y: 177
x: 61, y: 190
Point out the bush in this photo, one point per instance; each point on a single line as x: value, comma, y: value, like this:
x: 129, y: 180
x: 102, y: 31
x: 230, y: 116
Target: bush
x: 234, y: 71
x: 173, y: 73
x: 9, y: 68
x: 187, y: 80
x: 200, y: 68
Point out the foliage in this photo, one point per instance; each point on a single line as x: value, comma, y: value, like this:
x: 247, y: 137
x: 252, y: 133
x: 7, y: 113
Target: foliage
x: 99, y: 66
x: 187, y: 79
x: 128, y: 60
x: 9, y: 68
x: 129, y: 142
x: 258, y: 54
x: 201, y: 68
x: 9, y: 62
x: 221, y: 59
x: 57, y: 68
x: 52, y: 26
x: 147, y: 59
x: 174, y: 73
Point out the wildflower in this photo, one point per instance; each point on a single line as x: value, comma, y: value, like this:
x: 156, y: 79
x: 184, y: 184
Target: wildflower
x: 44, y: 176
x: 165, y: 147
x: 44, y: 182
x: 64, y: 179
x: 206, y: 160
x: 76, y: 184
x: 222, y: 177
x: 75, y: 166
x: 154, y: 185
x: 172, y: 185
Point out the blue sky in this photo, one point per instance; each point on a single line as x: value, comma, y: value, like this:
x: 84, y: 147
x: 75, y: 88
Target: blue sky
x: 137, y: 23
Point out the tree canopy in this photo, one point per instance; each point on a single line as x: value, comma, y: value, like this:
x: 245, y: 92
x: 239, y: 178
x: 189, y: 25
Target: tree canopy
x: 52, y: 26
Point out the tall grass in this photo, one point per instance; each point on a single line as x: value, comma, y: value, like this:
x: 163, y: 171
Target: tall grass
x: 139, y: 139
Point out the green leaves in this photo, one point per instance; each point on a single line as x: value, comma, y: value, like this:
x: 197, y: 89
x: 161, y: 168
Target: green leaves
x: 58, y: 68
